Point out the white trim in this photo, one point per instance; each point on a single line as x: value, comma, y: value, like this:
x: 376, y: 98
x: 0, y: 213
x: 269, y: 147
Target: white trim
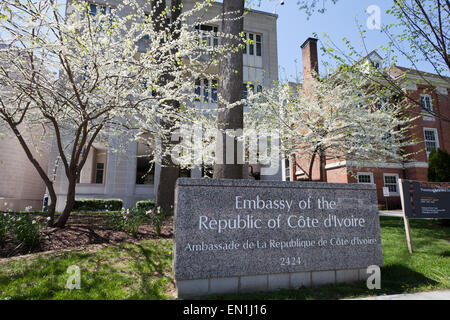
x: 365, y: 174
x: 434, y: 81
x: 396, y: 179
x: 381, y: 165
x: 442, y: 91
x: 336, y: 165
x: 416, y: 164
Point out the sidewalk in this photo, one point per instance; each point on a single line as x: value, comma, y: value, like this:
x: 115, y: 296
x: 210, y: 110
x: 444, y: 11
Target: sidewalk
x: 431, y: 295
x: 391, y: 213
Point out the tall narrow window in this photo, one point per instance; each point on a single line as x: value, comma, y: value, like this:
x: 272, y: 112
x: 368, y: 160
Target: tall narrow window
x: 258, y: 45
x: 427, y: 107
x: 431, y: 140
x: 198, y: 89
x: 144, y: 42
x: 244, y: 91
x: 390, y: 181
x: 254, y: 46
x: 99, y: 171
x: 206, y: 90
x: 425, y: 102
x: 145, y: 167
x: 214, y: 91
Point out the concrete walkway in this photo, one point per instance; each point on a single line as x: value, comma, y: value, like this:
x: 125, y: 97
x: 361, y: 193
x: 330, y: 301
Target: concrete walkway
x: 431, y: 295
x: 391, y: 213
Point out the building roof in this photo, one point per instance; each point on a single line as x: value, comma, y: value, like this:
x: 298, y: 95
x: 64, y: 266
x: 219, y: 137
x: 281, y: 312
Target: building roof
x: 399, y: 71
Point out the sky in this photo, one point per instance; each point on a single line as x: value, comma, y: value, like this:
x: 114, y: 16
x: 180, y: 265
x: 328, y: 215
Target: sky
x: 338, y: 21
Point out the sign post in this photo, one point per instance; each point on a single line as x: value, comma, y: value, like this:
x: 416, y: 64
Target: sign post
x: 423, y: 200
x: 386, y: 195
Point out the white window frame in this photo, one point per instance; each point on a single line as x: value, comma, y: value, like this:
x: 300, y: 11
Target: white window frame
x: 425, y: 139
x: 254, y: 44
x: 396, y: 181
x: 427, y: 116
x: 211, y: 86
x: 98, y: 7
x: 365, y: 174
x: 208, y: 38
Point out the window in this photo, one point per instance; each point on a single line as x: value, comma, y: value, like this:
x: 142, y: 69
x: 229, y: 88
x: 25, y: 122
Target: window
x: 390, y: 181
x: 431, y: 140
x: 207, y: 35
x: 144, y: 42
x: 95, y: 9
x: 145, y: 167
x: 100, y: 168
x: 255, y: 42
x: 287, y: 169
x: 365, y: 177
x: 250, y: 86
x: 206, y: 89
x: 427, y: 107
x: 145, y: 170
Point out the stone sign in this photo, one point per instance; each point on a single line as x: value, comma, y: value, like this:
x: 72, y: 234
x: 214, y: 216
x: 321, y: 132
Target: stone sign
x: 238, y: 235
x: 425, y: 200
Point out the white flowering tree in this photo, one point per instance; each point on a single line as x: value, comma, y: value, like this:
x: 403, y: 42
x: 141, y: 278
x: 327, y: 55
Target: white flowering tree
x: 92, y: 74
x: 341, y: 117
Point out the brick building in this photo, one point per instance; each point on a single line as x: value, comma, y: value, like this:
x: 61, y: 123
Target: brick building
x: 429, y: 95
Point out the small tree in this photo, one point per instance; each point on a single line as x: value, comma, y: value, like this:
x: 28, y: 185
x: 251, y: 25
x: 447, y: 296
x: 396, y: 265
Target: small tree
x: 439, y: 166
x: 341, y: 117
x: 91, y: 75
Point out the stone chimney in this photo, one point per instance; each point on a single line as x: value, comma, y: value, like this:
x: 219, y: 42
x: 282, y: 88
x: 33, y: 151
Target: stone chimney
x: 310, y: 60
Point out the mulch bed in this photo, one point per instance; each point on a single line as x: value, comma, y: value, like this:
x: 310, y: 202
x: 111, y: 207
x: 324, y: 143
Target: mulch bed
x: 83, y: 230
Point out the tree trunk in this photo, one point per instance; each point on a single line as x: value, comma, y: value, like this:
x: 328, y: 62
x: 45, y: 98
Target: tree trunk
x: 52, y: 206
x: 70, y: 202
x: 322, y: 162
x: 169, y: 173
x: 230, y: 91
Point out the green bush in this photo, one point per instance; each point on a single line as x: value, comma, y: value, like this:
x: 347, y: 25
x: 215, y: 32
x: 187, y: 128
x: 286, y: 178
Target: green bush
x: 145, y: 205
x: 439, y: 166
x: 4, y: 223
x: 98, y: 205
x: 157, y: 218
x: 128, y: 221
x: 25, y: 229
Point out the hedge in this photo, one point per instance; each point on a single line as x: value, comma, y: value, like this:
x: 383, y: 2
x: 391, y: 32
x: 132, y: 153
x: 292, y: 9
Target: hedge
x: 145, y: 205
x: 98, y: 205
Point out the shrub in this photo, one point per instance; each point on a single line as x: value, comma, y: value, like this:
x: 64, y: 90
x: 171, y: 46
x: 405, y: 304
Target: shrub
x: 439, y: 166
x: 145, y: 205
x: 4, y: 222
x: 128, y: 221
x: 98, y: 205
x: 157, y: 216
x: 25, y: 229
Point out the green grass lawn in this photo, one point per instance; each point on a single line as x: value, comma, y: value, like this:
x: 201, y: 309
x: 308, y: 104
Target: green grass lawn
x: 144, y: 270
